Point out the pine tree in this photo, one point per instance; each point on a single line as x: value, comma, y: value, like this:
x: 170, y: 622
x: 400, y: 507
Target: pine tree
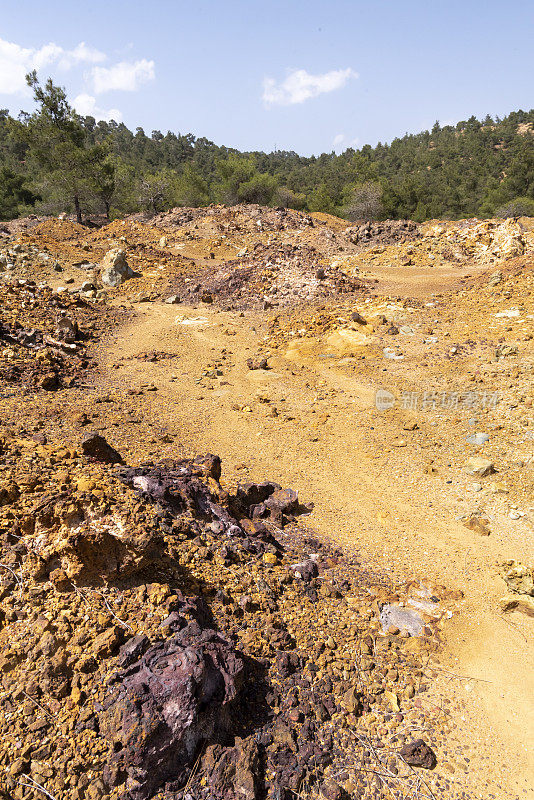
x: 57, y: 143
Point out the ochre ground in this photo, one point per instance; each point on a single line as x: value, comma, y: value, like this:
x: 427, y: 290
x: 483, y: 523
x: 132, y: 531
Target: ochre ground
x: 392, y: 484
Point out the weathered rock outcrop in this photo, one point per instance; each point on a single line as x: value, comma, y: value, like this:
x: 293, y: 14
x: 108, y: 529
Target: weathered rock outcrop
x: 161, y: 707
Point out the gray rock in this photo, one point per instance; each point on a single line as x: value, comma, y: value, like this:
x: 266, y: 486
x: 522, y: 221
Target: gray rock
x: 404, y: 619
x: 115, y: 268
x: 390, y: 353
x: 478, y: 438
x: 173, y: 299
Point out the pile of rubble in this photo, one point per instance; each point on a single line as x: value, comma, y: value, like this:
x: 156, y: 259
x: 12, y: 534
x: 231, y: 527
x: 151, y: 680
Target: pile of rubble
x: 485, y: 240
x: 250, y: 217
x: 13, y: 227
x: 247, y: 256
x: 446, y: 244
x: 162, y: 635
x: 44, y: 334
x: 371, y: 234
x: 271, y: 275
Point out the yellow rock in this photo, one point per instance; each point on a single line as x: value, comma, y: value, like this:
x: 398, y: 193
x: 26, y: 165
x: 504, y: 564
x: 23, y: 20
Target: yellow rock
x: 85, y: 485
x: 497, y: 487
x: 270, y: 559
x: 77, y: 696
x: 391, y: 700
x: 158, y: 593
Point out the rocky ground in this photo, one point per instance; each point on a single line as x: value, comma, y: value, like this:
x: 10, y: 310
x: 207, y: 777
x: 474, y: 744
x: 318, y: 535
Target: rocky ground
x: 344, y: 608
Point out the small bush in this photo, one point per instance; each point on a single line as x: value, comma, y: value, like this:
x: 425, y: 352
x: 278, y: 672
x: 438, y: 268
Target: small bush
x: 520, y: 207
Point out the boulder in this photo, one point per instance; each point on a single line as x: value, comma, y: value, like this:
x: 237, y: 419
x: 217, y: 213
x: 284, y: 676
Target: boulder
x: 90, y: 551
x: 178, y: 694
x: 115, y: 269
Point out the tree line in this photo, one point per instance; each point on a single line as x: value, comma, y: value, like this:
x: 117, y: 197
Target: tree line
x: 55, y: 160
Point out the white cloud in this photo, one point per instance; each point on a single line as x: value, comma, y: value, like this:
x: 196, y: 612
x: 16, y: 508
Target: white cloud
x: 341, y: 142
x: 81, y: 54
x: 126, y: 76
x: 85, y: 104
x: 300, y: 86
x: 16, y: 61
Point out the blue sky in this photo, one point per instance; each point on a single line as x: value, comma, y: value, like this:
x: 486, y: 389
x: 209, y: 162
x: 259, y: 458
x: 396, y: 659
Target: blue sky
x: 305, y: 76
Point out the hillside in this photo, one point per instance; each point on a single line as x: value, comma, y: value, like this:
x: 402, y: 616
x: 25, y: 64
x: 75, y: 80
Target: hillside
x: 475, y: 168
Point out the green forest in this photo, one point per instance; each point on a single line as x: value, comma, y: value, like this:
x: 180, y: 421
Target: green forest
x: 53, y: 160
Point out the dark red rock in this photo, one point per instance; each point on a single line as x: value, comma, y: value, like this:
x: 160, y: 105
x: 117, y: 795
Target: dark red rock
x: 306, y: 570
x: 178, y: 694
x: 96, y: 447
x: 418, y: 754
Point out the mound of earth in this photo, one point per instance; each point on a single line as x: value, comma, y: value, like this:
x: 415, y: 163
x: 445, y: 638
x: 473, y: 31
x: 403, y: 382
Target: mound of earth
x: 252, y: 217
x: 371, y: 234
x: 158, y: 634
x: 272, y: 275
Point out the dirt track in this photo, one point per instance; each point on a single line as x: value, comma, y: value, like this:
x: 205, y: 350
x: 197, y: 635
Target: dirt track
x: 329, y: 442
